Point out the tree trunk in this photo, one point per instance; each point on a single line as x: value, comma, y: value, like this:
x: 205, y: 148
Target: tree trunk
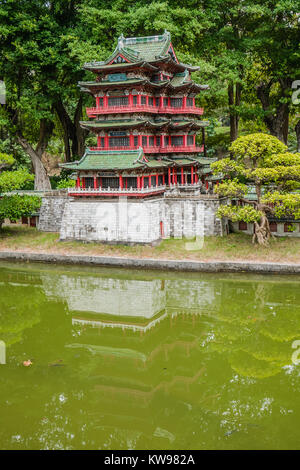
x: 41, y: 181
x: 73, y: 133
x: 277, y: 122
x: 234, y: 99
x: 262, y: 232
x: 204, y: 142
x: 297, y: 130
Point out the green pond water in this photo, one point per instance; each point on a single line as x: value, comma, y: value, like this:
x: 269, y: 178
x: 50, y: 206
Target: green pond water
x: 147, y: 360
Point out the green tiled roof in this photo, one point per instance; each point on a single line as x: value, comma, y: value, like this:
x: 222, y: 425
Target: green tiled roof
x: 130, y: 81
x: 125, y: 123
x: 114, y: 160
x: 112, y: 124
x: 149, y: 48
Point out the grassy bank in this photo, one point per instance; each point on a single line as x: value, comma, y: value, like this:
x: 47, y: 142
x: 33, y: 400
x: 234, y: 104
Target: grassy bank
x: 235, y: 247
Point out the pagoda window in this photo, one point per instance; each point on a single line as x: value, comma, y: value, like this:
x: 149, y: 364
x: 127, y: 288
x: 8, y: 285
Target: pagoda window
x: 144, y: 140
x: 166, y: 101
x: 190, y: 140
x: 118, y: 101
x: 120, y: 141
x: 135, y: 141
x: 158, y: 140
x: 110, y: 182
x: 189, y: 102
x: 273, y: 226
x: 101, y: 142
x: 135, y: 99
x: 176, y: 102
x: 151, y: 101
x: 177, y: 140
x: 166, y: 141
x: 151, y: 141
x: 143, y: 100
x: 243, y: 226
x: 89, y: 182
x: 131, y: 182
x: 153, y: 180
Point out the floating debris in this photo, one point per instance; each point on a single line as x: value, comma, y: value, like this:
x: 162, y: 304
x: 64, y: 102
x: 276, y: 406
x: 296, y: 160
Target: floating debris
x: 27, y: 363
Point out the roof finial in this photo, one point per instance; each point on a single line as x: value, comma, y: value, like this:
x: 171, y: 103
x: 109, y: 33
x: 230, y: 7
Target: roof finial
x: 120, y: 41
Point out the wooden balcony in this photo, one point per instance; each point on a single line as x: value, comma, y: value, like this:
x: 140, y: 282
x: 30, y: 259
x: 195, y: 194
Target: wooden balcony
x: 94, y: 112
x: 156, y: 149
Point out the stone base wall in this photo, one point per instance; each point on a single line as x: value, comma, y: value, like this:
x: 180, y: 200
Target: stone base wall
x: 140, y: 221
x: 279, y: 233
x: 51, y: 211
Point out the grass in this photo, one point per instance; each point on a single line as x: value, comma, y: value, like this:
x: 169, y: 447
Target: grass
x: 236, y: 247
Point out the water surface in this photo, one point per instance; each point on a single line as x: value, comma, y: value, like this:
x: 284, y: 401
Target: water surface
x: 142, y: 360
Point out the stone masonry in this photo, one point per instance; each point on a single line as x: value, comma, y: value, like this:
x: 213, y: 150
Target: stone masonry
x: 139, y: 221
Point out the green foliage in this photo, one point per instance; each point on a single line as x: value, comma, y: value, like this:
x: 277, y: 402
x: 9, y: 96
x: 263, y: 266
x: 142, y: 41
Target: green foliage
x: 6, y: 160
x: 284, y: 204
x: 228, y: 167
x: 231, y: 188
x: 256, y: 148
x: 13, y: 180
x: 239, y: 213
x: 16, y: 206
x: 66, y: 183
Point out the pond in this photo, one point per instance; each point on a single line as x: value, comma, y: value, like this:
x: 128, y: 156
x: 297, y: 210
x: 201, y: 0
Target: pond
x: 147, y: 360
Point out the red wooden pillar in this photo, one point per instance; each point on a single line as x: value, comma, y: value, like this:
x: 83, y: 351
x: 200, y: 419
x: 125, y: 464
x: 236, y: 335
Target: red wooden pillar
x: 97, y: 101
x: 149, y: 181
x: 131, y: 141
x: 182, y: 176
x: 192, y: 175
x: 156, y: 179
x: 143, y: 182
x: 98, y: 141
x: 120, y: 181
x: 169, y: 176
x: 161, y: 102
x: 175, y: 176
x: 196, y: 176
x: 78, y: 182
x: 100, y: 182
x: 105, y: 101
x: 139, y: 138
x: 185, y: 140
x: 130, y: 99
x: 206, y: 184
x: 164, y: 179
x: 83, y: 183
x: 184, y: 102
x: 95, y: 183
x: 106, y: 144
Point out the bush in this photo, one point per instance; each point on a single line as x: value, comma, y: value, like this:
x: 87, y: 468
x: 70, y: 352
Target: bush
x: 13, y: 180
x: 67, y: 183
x: 16, y: 206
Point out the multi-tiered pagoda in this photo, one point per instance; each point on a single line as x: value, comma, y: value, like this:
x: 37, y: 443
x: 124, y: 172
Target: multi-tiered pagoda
x: 146, y: 123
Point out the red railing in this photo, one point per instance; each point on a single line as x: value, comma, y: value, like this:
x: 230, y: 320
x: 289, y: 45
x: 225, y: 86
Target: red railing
x: 93, y: 112
x: 154, y: 149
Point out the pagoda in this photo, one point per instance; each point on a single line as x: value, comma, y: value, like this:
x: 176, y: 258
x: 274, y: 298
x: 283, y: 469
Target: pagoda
x: 146, y: 123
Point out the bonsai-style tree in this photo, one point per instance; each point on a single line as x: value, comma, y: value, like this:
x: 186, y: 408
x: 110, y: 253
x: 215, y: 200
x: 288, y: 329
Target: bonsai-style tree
x: 263, y: 161
x: 15, y: 206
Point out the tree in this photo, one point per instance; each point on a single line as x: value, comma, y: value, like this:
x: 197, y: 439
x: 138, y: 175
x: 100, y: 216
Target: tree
x: 264, y: 161
x: 15, y: 206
